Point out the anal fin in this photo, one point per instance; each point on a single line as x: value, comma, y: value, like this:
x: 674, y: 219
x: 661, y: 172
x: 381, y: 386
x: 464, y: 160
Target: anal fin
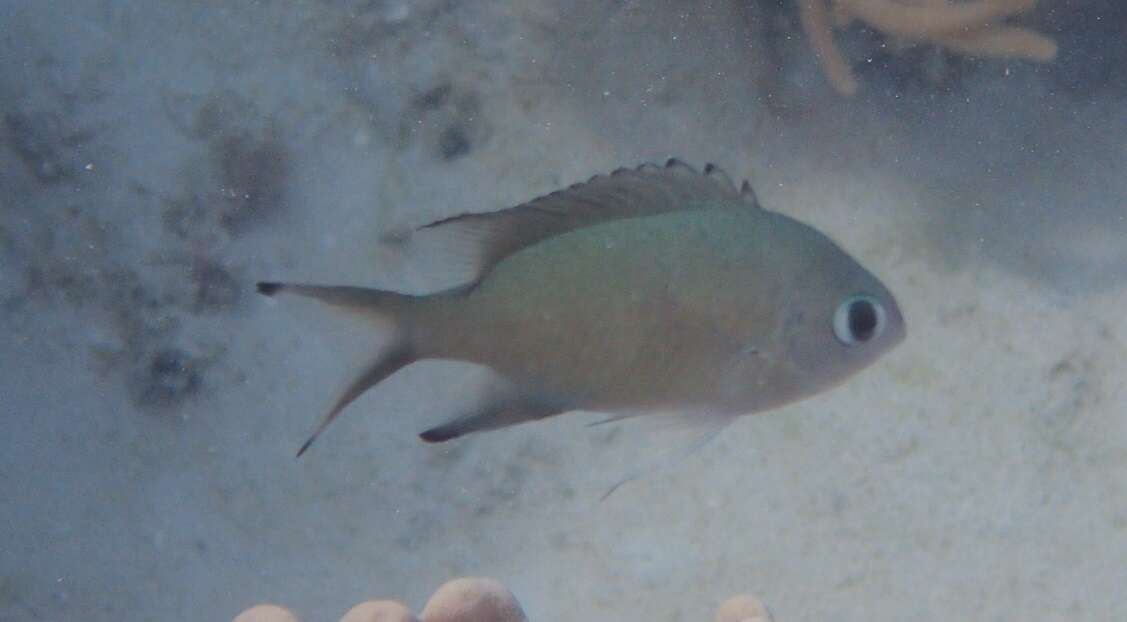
x: 491, y: 415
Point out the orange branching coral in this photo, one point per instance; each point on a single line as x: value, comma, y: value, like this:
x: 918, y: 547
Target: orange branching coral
x: 969, y: 27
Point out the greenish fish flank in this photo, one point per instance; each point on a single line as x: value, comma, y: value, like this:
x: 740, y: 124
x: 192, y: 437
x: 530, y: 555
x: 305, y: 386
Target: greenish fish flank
x: 655, y: 289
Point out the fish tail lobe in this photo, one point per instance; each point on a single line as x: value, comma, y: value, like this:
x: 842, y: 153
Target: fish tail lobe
x: 403, y: 312
x: 361, y: 301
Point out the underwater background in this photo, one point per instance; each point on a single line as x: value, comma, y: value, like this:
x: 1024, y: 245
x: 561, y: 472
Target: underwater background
x: 156, y: 159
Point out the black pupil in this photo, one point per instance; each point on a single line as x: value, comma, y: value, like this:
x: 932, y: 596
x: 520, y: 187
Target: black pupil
x: 862, y: 320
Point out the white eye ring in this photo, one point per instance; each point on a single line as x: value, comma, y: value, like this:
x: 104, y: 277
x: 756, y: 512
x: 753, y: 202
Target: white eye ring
x: 858, y: 319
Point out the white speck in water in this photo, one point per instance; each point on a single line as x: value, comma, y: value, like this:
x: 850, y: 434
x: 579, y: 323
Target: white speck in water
x: 361, y: 138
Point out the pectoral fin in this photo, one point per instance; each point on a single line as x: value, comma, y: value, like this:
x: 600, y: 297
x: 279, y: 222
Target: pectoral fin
x: 695, y: 431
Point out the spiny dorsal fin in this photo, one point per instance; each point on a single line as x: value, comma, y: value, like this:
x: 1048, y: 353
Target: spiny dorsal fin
x: 485, y: 239
x: 748, y: 195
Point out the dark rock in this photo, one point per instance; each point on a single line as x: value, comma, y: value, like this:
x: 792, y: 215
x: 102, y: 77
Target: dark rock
x: 166, y: 379
x: 215, y: 288
x: 453, y: 143
x: 252, y: 172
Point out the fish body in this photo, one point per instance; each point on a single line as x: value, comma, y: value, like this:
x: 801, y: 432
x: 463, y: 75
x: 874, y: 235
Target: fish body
x: 664, y: 290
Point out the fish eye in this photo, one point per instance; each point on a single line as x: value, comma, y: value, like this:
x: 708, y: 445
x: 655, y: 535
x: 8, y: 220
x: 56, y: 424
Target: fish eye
x: 858, y: 319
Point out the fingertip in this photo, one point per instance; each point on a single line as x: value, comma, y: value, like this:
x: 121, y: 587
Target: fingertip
x: 266, y: 612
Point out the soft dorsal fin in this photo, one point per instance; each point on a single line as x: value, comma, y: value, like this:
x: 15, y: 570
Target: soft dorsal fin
x: 626, y: 193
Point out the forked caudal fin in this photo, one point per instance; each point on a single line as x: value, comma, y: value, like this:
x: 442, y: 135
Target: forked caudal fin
x: 371, y: 303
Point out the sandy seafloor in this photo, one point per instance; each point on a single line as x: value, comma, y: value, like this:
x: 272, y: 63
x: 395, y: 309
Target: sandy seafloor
x: 158, y: 158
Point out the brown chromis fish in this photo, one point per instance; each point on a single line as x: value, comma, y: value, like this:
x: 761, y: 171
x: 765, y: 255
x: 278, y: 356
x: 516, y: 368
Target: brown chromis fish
x: 656, y: 289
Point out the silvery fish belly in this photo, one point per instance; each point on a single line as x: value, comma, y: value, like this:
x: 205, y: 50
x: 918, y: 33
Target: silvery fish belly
x: 656, y: 289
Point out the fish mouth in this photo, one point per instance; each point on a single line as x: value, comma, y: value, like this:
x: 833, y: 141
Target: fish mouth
x: 897, y: 326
